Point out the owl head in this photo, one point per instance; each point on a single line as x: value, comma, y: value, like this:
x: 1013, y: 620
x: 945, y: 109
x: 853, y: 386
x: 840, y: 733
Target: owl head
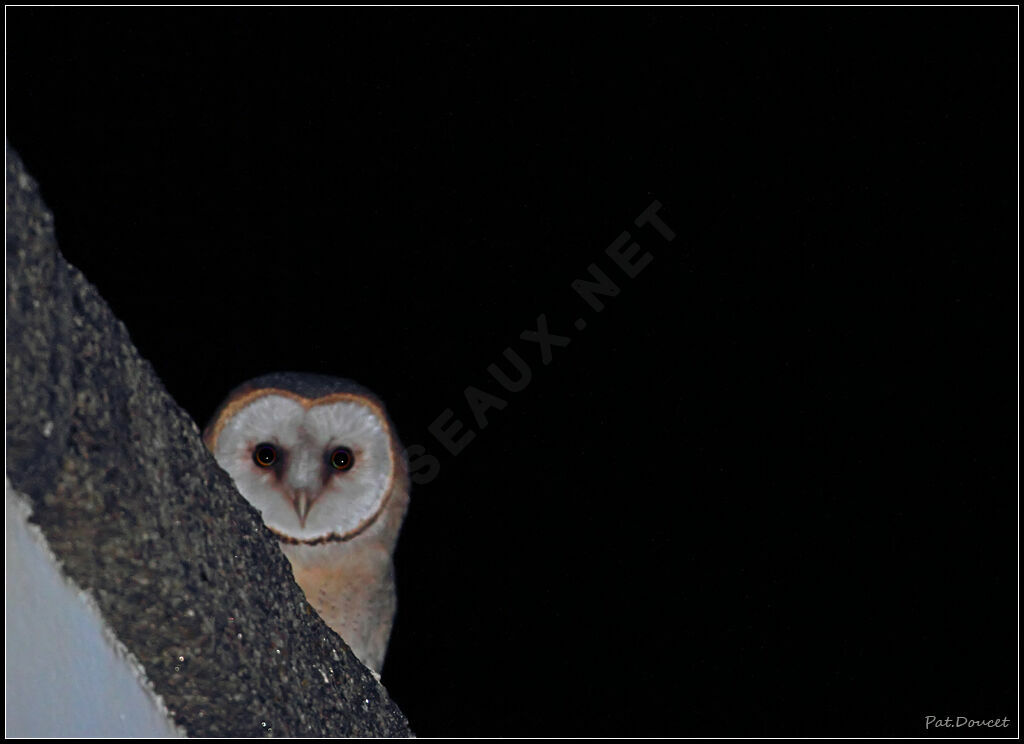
x: 317, y: 456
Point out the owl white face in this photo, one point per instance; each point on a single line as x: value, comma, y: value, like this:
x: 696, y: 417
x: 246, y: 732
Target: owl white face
x: 316, y: 469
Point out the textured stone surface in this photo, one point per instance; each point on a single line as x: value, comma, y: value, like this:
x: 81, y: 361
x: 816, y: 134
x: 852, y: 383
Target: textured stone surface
x: 144, y: 520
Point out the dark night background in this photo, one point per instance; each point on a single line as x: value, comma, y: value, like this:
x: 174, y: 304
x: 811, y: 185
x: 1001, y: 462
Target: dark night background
x: 769, y: 490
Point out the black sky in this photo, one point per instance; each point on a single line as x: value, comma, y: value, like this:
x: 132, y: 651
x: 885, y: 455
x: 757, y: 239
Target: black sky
x: 768, y: 490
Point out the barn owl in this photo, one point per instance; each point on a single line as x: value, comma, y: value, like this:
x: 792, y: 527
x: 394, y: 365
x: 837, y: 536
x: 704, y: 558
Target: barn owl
x: 319, y: 458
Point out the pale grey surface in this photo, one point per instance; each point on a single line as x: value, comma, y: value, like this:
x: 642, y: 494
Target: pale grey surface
x: 140, y: 516
x: 64, y: 671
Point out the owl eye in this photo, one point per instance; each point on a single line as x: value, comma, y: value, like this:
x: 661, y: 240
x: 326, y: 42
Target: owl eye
x: 264, y: 455
x: 342, y: 458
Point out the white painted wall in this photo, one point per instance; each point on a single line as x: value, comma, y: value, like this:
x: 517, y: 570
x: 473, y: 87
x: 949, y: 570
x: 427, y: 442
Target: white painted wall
x: 65, y: 674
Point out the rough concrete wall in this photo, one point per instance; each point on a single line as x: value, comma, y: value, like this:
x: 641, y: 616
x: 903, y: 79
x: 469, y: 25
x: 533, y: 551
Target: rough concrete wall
x: 144, y: 521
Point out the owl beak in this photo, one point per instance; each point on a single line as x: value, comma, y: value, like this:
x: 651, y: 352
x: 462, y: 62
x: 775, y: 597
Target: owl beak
x: 302, y: 504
